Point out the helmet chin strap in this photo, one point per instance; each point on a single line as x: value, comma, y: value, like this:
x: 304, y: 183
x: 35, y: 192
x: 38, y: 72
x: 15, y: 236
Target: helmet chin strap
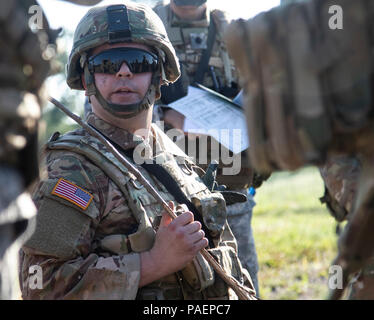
x: 118, y: 109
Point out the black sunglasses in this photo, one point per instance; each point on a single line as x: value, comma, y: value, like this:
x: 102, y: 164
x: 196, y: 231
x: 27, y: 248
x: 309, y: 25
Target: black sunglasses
x: 110, y: 61
x: 196, y: 3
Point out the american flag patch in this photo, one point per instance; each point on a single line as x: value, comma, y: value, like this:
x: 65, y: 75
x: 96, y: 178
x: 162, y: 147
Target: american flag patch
x: 74, y: 194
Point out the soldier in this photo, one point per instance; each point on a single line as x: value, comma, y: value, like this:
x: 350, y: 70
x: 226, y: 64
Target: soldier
x: 23, y: 69
x: 308, y: 95
x: 340, y: 175
x: 196, y: 34
x: 99, y: 234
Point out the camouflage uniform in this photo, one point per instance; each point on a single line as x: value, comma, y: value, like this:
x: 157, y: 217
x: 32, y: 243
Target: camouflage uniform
x: 189, y: 38
x: 76, y: 246
x: 23, y: 70
x: 183, y: 35
x: 340, y: 175
x: 308, y: 95
x: 88, y: 245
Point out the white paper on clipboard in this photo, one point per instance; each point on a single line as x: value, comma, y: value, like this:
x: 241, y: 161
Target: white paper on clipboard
x: 208, y: 113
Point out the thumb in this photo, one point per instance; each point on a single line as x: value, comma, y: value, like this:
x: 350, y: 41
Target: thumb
x: 166, y: 219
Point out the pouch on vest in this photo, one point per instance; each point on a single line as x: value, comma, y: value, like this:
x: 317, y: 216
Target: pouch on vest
x: 229, y: 261
x: 213, y: 209
x: 198, y: 273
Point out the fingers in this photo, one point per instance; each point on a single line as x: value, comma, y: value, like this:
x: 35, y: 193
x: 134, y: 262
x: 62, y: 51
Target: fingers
x: 183, y: 219
x: 193, y: 227
x: 166, y: 219
x: 196, y: 236
x: 201, y: 244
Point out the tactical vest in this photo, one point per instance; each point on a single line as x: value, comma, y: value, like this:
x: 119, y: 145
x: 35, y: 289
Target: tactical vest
x: 197, y: 280
x: 190, y: 39
x: 184, y: 37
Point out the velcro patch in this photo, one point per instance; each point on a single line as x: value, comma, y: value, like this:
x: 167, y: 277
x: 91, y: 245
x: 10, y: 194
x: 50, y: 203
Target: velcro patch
x: 72, y: 193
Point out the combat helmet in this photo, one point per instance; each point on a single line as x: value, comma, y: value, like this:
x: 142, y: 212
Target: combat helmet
x: 128, y: 22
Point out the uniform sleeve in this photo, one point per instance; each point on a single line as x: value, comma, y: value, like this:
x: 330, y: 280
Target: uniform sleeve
x: 62, y: 245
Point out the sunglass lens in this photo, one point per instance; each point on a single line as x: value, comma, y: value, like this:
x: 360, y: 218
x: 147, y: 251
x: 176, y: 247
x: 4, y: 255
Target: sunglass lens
x: 110, y: 61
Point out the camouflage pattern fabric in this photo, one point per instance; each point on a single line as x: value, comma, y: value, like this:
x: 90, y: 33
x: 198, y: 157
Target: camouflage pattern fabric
x: 302, y: 99
x: 308, y: 96
x: 239, y: 217
x: 189, y: 38
x: 340, y: 175
x: 92, y: 31
x: 361, y: 287
x: 182, y: 35
x: 23, y: 69
x: 22, y: 72
x: 75, y: 247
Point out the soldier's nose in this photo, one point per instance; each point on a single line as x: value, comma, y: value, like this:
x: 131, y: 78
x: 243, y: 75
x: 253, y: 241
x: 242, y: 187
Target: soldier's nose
x: 124, y: 71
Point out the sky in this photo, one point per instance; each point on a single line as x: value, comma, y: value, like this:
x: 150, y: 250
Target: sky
x: 67, y: 15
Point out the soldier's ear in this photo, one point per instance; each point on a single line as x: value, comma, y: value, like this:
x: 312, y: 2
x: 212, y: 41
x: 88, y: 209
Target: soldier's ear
x: 84, y: 84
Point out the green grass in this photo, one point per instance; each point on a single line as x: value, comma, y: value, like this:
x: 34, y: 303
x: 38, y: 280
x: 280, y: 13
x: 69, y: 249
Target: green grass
x: 295, y: 236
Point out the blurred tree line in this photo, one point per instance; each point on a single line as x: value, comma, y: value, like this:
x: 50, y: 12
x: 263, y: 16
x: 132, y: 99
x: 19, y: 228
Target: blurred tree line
x: 52, y: 118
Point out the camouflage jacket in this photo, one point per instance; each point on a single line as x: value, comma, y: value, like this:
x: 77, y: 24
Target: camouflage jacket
x: 100, y: 235
x: 340, y: 175
x: 189, y: 39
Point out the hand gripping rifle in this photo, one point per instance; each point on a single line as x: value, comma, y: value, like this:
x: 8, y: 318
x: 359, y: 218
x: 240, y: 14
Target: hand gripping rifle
x: 241, y: 291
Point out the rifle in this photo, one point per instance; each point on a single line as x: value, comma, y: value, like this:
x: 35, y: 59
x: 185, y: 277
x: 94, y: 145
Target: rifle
x: 241, y: 291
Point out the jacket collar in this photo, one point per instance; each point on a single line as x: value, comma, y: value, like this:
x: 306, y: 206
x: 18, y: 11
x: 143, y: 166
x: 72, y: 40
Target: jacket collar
x: 126, y: 140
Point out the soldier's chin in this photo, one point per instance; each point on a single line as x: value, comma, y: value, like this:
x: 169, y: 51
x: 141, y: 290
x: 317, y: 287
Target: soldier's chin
x: 124, y: 99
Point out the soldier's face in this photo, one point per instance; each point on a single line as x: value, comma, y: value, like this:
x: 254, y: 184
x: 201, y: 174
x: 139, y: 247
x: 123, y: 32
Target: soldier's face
x: 188, y: 12
x: 124, y: 87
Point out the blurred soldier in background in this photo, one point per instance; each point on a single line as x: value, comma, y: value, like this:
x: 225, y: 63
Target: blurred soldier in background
x: 196, y: 33
x: 341, y: 175
x: 307, y: 75
x: 24, y: 65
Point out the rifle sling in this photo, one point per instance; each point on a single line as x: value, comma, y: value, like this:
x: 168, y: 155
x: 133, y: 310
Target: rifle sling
x: 171, y: 186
